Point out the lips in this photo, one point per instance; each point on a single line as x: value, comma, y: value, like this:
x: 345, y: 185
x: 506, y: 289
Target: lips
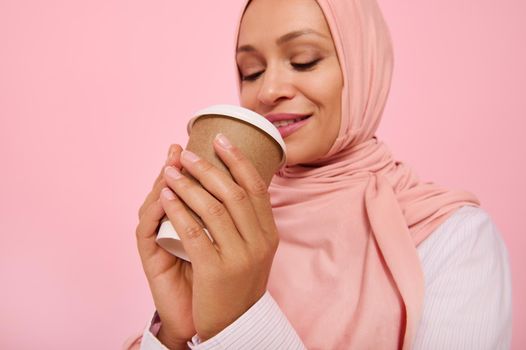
x: 274, y: 117
x: 288, y: 123
x: 282, y: 123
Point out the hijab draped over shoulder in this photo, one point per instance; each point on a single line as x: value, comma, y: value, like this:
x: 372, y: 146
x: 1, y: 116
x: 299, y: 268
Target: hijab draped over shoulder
x: 347, y: 274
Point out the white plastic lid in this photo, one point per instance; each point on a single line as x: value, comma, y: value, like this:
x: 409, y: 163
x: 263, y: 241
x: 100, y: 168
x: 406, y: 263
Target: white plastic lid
x: 245, y: 115
x: 168, y: 238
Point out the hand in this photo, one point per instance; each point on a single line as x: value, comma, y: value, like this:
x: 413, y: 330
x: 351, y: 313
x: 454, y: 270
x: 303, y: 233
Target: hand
x: 169, y: 278
x: 231, y: 273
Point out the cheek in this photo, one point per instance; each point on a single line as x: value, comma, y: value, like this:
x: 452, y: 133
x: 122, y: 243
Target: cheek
x: 329, y: 94
x: 334, y: 86
x: 335, y: 111
x: 325, y: 87
x: 333, y: 92
x: 248, y: 97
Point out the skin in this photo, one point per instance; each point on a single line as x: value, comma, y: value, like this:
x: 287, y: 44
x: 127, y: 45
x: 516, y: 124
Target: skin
x: 274, y: 80
x: 228, y: 276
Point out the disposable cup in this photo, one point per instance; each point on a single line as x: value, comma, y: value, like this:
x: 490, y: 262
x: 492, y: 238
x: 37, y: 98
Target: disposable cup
x: 257, y: 138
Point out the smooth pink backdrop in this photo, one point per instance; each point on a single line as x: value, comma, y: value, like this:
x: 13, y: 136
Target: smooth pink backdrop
x: 92, y: 93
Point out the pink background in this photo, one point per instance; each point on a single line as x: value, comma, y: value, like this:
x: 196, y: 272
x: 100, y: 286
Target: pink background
x: 93, y: 92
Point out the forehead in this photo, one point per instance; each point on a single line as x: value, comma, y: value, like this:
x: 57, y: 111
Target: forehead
x: 269, y: 19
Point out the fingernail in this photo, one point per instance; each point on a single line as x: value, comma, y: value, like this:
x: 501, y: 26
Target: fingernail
x: 192, y: 157
x: 223, y: 141
x: 172, y: 172
x: 166, y: 193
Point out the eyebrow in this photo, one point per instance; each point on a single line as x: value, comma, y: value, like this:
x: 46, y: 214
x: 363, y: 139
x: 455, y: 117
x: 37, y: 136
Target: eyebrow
x: 284, y: 38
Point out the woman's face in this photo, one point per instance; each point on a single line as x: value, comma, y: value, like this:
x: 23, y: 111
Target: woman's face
x: 288, y: 65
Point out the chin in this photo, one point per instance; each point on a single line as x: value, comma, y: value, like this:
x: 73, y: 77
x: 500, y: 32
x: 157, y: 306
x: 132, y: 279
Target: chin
x: 291, y: 161
x: 297, y: 161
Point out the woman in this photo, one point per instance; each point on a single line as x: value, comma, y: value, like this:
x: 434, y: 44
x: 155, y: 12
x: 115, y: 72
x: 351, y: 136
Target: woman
x: 369, y: 257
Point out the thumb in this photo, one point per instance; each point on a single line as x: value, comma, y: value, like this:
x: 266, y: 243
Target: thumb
x: 146, y: 231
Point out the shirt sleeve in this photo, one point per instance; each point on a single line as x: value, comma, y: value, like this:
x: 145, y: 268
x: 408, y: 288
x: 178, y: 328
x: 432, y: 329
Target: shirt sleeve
x: 467, y: 302
x: 147, y: 339
x: 263, y: 326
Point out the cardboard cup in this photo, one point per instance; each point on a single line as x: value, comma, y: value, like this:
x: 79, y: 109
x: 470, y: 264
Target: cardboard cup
x: 255, y: 136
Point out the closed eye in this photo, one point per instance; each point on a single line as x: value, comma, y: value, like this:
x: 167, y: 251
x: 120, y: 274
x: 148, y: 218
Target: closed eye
x: 305, y: 66
x: 252, y: 77
x: 298, y: 66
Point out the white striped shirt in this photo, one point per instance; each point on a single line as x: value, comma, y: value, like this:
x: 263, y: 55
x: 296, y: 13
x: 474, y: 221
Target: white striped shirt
x: 467, y: 302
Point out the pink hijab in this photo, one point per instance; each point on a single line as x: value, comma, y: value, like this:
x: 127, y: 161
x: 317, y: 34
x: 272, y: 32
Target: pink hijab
x: 347, y: 273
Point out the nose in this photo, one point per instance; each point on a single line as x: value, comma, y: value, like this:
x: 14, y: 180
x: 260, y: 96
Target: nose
x: 276, y: 86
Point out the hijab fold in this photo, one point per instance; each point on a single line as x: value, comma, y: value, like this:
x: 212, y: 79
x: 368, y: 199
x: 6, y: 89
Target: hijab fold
x: 347, y: 273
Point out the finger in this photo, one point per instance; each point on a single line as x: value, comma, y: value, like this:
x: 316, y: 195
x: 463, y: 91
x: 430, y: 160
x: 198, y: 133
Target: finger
x: 196, y: 243
x: 213, y: 213
x: 146, y: 231
x: 173, y: 156
x: 246, y: 175
x: 233, y: 196
x: 173, y: 159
